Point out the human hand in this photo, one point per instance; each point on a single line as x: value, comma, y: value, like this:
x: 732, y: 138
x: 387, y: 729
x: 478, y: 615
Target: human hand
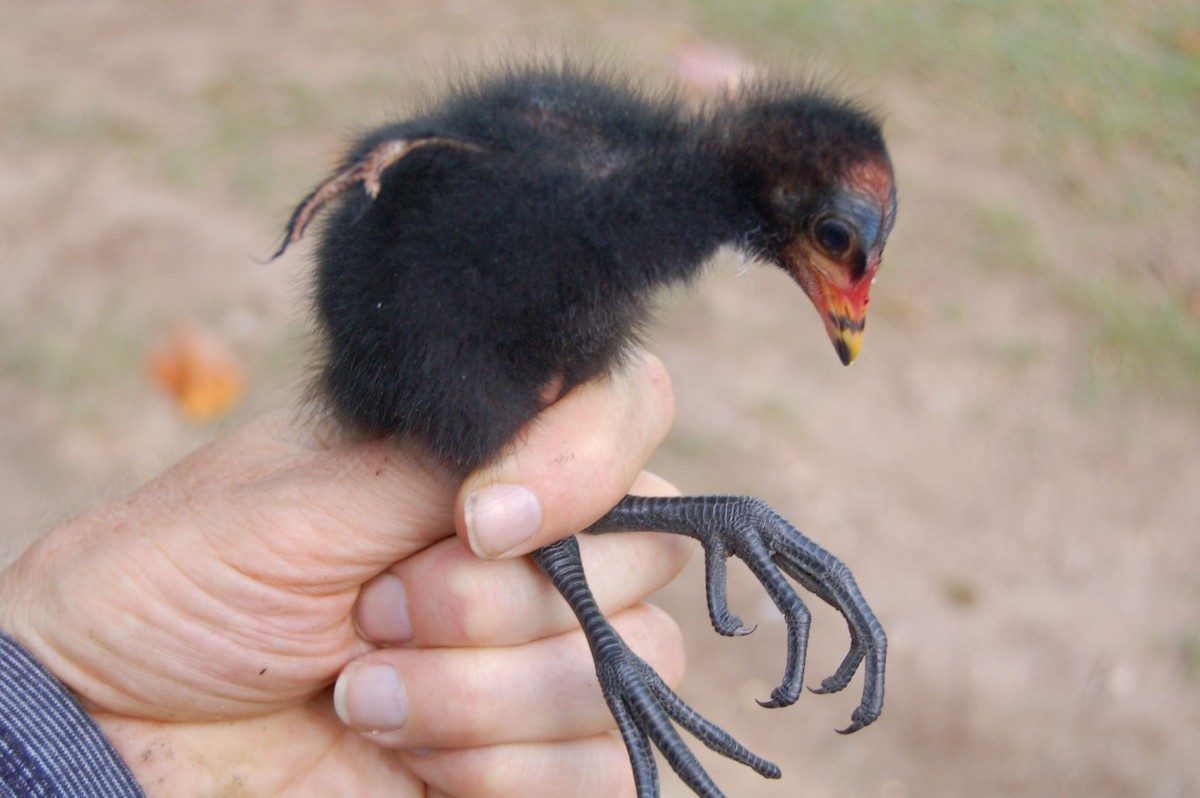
x: 202, y: 618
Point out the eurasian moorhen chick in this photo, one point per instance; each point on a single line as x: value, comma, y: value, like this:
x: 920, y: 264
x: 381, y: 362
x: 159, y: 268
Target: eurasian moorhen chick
x: 504, y: 246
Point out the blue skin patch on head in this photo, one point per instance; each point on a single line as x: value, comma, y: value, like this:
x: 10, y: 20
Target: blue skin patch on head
x: 862, y: 214
x: 870, y: 222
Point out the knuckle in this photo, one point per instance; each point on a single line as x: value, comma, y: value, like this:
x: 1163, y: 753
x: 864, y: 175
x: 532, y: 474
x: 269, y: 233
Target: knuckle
x: 657, y: 638
x: 486, y: 602
x: 466, y: 608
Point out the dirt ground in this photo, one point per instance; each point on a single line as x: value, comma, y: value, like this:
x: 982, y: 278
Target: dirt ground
x: 1022, y: 515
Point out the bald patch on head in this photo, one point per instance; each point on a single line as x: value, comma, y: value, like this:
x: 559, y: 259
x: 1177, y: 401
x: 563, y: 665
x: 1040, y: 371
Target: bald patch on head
x: 873, y: 177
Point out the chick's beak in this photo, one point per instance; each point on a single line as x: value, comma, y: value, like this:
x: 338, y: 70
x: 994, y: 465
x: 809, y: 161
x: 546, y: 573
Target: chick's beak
x: 843, y: 306
x: 845, y: 314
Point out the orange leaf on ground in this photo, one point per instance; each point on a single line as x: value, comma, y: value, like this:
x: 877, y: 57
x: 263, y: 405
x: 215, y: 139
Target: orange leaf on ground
x: 198, y: 370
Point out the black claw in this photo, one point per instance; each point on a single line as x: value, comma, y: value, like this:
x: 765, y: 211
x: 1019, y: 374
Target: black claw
x: 858, y: 720
x: 842, y: 676
x: 832, y: 684
x: 780, y: 697
x: 730, y: 626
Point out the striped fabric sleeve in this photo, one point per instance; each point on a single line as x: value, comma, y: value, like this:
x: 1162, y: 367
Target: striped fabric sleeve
x: 49, y: 746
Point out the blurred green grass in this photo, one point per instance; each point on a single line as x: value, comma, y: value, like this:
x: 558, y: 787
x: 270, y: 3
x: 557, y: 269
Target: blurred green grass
x: 1115, y: 74
x: 1147, y: 341
x: 82, y: 379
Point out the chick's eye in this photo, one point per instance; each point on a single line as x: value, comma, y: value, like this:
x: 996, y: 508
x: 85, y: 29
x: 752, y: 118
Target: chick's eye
x: 833, y: 237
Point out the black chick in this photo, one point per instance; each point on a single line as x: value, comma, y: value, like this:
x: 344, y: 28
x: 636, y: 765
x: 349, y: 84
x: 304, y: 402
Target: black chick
x: 487, y: 256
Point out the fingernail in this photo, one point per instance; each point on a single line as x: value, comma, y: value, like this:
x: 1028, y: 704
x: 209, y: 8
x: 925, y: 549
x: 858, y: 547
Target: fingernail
x: 381, y: 612
x: 370, y: 697
x: 500, y: 518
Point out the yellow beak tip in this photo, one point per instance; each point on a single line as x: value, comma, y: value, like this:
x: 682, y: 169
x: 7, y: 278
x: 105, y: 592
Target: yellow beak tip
x: 847, y: 348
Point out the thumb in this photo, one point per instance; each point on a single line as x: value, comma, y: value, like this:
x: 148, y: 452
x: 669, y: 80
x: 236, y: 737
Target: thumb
x: 572, y: 463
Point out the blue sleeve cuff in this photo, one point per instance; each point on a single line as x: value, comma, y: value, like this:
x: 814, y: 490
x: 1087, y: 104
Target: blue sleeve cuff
x: 49, y: 746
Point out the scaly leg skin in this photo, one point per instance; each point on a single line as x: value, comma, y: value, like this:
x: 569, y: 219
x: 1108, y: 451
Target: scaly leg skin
x: 639, y: 700
x: 747, y: 528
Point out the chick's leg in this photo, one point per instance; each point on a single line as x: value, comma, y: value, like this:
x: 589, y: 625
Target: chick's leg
x: 642, y: 704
